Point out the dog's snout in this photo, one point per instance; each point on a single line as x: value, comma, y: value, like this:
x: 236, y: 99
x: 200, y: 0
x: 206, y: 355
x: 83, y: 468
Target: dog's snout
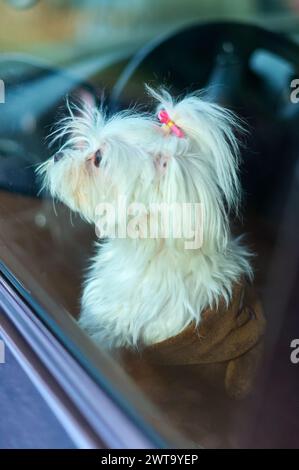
x: 58, y: 156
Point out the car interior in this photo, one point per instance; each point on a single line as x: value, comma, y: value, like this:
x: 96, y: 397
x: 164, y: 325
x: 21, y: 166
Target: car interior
x: 45, y: 248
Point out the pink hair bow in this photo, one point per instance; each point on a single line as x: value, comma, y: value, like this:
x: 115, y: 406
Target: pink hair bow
x: 164, y: 118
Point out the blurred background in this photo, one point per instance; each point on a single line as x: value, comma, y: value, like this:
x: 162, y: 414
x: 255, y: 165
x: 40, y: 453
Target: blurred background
x: 61, y: 30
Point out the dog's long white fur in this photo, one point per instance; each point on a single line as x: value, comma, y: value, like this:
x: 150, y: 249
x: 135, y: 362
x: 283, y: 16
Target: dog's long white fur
x: 142, y: 291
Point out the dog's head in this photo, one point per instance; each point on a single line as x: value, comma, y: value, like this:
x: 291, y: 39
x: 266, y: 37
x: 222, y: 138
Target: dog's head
x: 101, y: 159
x: 191, y: 159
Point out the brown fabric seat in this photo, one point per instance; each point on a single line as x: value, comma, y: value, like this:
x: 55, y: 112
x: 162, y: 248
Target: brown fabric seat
x: 225, y: 346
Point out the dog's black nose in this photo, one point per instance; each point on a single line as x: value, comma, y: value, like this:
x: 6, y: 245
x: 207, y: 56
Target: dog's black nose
x: 58, y: 156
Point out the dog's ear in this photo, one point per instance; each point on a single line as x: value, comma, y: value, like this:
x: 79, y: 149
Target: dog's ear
x: 210, y: 129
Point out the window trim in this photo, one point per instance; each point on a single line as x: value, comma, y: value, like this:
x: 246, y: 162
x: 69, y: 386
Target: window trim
x: 73, y: 382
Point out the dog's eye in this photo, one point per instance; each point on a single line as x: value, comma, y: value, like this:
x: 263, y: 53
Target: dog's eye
x: 58, y: 156
x: 97, y: 158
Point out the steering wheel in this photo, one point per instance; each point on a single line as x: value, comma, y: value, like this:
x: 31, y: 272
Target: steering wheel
x: 216, y: 56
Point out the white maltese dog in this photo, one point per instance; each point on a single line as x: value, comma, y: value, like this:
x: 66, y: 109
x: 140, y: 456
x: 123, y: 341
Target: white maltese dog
x: 142, y: 287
